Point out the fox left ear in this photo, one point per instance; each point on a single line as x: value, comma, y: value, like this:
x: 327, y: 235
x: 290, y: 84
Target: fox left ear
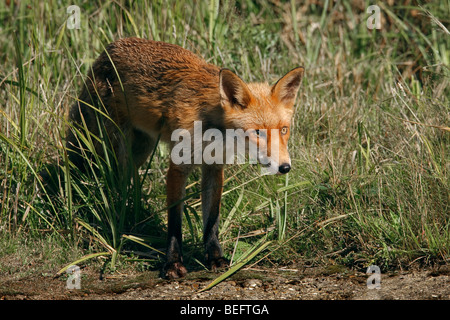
x: 233, y: 90
x: 285, y: 90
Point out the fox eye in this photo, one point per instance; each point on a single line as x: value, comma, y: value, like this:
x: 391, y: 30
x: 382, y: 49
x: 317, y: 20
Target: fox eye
x: 260, y: 133
x: 284, y: 130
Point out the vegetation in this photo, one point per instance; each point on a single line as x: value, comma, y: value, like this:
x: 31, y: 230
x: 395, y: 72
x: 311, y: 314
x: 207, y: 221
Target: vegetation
x: 369, y: 144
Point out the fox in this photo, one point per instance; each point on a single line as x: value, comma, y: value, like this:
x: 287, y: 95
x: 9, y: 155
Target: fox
x: 148, y: 89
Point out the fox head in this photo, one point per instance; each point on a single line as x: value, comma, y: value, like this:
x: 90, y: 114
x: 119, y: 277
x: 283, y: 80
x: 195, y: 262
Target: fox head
x: 263, y: 111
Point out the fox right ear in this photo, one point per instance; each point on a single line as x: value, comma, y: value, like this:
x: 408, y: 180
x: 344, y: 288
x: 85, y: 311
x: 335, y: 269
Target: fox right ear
x: 233, y: 90
x: 285, y: 90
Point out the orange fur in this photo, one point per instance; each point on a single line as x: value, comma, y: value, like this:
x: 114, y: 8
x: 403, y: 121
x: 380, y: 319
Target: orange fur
x: 149, y: 89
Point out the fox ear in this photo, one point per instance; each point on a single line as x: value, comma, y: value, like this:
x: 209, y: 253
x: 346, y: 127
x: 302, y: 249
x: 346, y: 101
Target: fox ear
x: 285, y: 90
x: 233, y: 90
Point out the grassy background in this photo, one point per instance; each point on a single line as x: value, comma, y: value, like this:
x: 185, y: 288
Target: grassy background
x: 369, y: 145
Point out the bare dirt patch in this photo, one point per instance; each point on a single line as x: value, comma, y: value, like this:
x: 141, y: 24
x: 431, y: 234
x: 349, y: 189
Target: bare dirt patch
x: 261, y: 284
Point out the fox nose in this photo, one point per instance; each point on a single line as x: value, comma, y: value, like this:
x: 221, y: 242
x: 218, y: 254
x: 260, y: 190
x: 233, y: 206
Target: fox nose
x: 284, y: 168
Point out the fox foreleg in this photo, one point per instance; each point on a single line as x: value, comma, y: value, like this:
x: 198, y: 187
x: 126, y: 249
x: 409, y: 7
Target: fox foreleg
x: 212, y: 185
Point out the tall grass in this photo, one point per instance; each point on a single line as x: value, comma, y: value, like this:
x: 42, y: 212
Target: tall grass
x: 369, y: 143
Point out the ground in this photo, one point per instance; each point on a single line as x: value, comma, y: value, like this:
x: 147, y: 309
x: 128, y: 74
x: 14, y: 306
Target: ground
x: 253, y: 284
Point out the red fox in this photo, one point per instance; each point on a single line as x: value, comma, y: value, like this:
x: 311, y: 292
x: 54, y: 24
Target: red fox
x: 149, y: 89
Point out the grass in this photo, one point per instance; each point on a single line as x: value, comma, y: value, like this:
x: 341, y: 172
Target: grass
x: 369, y: 143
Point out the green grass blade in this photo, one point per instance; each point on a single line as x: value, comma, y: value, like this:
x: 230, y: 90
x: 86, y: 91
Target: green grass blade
x: 84, y: 258
x: 141, y: 242
x: 237, y: 266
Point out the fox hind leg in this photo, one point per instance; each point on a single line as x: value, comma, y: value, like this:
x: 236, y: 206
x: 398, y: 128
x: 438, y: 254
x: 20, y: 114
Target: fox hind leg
x: 142, y: 146
x: 176, y: 190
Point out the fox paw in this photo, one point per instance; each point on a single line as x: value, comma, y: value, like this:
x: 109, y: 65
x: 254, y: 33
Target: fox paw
x: 219, y: 263
x: 174, y: 270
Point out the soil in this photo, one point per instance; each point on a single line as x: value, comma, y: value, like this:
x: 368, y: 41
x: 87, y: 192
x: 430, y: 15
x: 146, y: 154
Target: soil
x: 250, y: 284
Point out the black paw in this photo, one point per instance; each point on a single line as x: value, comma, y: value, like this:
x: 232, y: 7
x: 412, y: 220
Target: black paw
x: 218, y: 263
x: 174, y: 270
